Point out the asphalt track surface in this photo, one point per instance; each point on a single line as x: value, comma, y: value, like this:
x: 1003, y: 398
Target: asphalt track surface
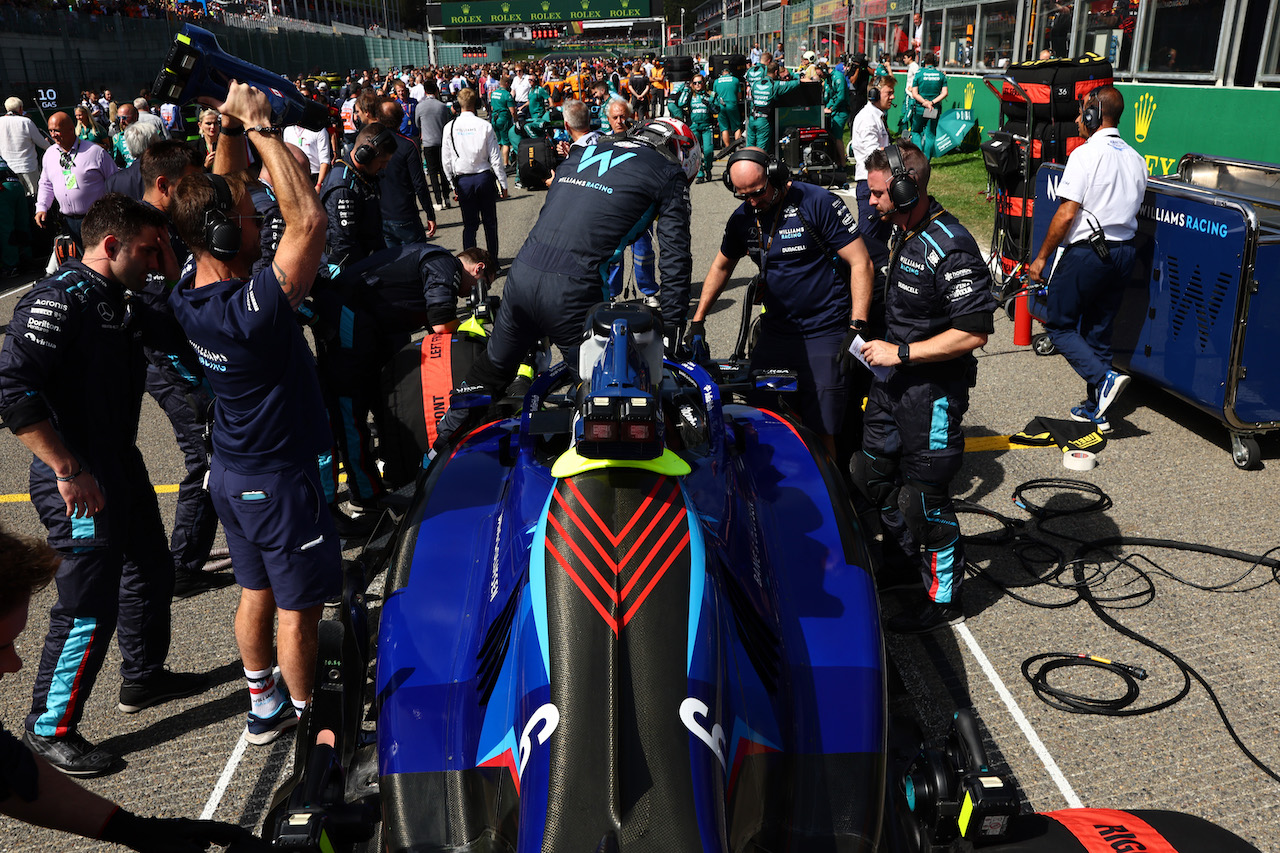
x: 1167, y: 469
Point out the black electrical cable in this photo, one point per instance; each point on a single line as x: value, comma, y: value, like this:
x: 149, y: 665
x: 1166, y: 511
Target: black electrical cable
x: 1078, y: 703
x: 1087, y: 577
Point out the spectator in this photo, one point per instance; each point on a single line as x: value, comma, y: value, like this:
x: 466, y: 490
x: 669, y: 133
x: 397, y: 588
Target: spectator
x: 472, y: 161
x: 402, y: 182
x: 144, y: 114
x: 138, y: 137
x: 82, y: 169
x: 318, y: 150
x: 66, y: 361
x: 431, y: 116
x: 87, y: 129
x: 126, y: 114
x: 210, y: 127
x: 20, y: 145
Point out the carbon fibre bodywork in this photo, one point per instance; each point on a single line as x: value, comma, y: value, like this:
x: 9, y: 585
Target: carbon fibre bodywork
x: 682, y: 655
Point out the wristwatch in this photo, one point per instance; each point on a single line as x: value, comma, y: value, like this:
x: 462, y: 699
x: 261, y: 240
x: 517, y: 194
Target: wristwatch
x: 904, y: 353
x: 858, y: 325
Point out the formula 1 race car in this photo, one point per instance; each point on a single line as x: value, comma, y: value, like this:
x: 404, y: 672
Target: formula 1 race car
x: 639, y: 616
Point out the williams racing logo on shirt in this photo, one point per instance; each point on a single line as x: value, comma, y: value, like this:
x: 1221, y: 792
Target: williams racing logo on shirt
x: 605, y: 160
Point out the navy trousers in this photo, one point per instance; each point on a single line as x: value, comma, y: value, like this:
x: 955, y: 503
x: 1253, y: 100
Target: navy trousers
x: 1084, y: 296
x: 478, y: 198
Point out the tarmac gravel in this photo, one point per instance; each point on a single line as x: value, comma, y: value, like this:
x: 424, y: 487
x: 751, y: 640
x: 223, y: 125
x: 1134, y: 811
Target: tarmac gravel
x: 1167, y: 469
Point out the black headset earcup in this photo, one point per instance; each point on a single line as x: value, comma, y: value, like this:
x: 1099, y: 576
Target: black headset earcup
x: 873, y: 95
x: 221, y: 235
x: 363, y: 154
x: 904, y: 192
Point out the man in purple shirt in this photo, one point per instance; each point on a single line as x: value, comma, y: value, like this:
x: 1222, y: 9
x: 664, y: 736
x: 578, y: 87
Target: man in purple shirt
x: 74, y: 173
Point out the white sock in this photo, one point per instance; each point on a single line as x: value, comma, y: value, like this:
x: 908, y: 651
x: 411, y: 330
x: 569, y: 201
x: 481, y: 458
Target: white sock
x: 298, y: 705
x: 264, y: 693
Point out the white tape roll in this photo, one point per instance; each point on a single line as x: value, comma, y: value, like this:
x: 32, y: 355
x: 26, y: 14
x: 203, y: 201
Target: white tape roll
x: 1079, y: 460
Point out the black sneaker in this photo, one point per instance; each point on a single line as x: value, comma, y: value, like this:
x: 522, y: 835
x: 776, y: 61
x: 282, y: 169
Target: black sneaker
x: 929, y: 618
x: 188, y: 583
x: 164, y: 686
x: 71, y: 754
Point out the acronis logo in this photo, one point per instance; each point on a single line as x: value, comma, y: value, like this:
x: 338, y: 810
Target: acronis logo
x: 604, y: 161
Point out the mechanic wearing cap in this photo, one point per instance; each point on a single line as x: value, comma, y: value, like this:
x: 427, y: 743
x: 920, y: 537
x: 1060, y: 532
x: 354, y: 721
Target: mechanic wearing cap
x: 938, y: 311
x: 1101, y: 190
x: 352, y: 199
x: 269, y: 423
x: 728, y: 89
x: 794, y: 231
x: 602, y: 196
x: 30, y: 790
x: 71, y: 380
x: 763, y: 90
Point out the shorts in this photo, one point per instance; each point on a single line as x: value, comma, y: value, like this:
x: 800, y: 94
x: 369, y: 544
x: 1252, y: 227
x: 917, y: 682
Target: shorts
x: 730, y: 119
x: 823, y: 391
x: 280, y: 533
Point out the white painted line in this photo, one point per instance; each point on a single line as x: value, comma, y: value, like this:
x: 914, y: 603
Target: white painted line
x: 1018, y: 717
x: 225, y: 779
x: 18, y: 290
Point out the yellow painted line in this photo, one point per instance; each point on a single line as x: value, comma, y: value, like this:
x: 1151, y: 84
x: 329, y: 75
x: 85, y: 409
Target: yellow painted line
x: 160, y: 490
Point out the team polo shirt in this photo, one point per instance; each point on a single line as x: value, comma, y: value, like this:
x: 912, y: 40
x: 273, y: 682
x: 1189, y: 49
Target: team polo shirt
x: 930, y: 82
x: 1108, y: 179
x: 803, y: 292
x: 270, y: 414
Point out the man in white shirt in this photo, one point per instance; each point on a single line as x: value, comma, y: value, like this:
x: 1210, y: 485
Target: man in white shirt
x: 869, y: 135
x: 472, y: 160
x: 20, y: 144
x: 416, y: 91
x: 1099, y: 195
x: 315, y: 143
x: 520, y: 86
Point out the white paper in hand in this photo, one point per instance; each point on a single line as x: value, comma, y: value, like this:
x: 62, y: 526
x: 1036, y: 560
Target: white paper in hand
x: 855, y: 348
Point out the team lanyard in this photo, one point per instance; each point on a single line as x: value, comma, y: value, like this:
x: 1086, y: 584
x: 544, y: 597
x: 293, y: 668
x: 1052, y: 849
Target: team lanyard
x: 773, y: 231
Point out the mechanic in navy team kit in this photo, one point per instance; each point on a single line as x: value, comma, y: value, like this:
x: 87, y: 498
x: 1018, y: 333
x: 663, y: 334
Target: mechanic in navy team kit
x: 30, y: 789
x: 269, y: 423
x: 376, y: 305
x: 793, y: 231
x: 602, y: 196
x: 938, y: 310
x: 351, y: 198
x: 71, y: 378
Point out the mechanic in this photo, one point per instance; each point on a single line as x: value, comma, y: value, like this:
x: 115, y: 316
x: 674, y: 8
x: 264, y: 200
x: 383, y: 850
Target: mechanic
x: 909, y: 106
x: 402, y: 182
x: 835, y: 105
x: 502, y: 114
x: 764, y: 90
x: 375, y: 305
x: 473, y: 162
x: 928, y: 90
x: 869, y: 135
x: 1101, y: 190
x: 539, y: 107
x: 701, y: 106
x: 30, y: 790
x: 351, y: 197
x: 602, y: 195
x: 176, y: 381
x: 793, y: 231
x: 269, y: 423
x: 71, y: 378
x: 938, y: 311
x: 271, y: 223
x: 729, y: 89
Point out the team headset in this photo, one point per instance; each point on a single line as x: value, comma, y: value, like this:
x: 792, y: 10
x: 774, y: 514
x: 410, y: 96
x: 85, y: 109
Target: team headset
x: 1091, y: 112
x: 367, y: 152
x: 904, y: 192
x: 221, y: 235
x: 775, y: 170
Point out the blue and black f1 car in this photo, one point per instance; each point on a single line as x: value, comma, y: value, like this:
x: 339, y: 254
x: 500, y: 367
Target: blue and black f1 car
x: 637, y: 616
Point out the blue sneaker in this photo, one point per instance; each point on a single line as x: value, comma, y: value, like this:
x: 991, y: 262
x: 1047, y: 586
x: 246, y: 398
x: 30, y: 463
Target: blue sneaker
x: 1110, y: 389
x: 263, y: 730
x: 1085, y: 413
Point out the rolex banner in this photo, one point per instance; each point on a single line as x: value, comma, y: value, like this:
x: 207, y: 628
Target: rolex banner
x: 483, y: 13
